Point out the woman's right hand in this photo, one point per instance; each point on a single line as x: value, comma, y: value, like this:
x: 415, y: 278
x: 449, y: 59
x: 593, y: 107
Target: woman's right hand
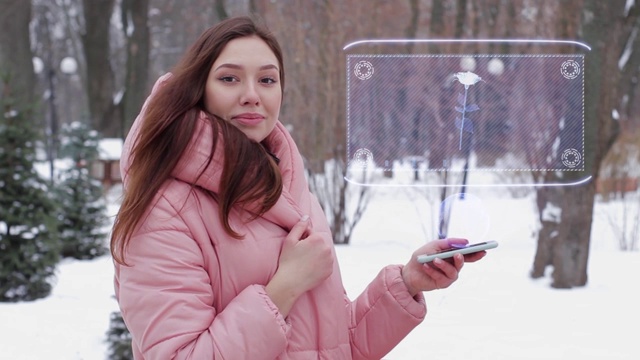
x: 305, y: 261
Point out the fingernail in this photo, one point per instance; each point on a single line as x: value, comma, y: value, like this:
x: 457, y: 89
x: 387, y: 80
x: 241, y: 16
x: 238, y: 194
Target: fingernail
x: 304, y: 218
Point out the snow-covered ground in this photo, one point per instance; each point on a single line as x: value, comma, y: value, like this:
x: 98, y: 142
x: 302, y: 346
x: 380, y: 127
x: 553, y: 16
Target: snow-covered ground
x: 494, y: 311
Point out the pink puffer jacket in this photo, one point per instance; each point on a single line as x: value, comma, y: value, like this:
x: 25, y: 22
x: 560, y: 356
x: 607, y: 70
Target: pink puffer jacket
x: 193, y: 292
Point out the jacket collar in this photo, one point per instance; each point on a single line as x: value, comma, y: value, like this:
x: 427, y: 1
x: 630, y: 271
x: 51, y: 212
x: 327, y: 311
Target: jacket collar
x: 287, y: 210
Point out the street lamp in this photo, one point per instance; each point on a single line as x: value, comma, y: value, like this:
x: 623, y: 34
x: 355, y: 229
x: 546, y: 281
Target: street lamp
x: 68, y: 66
x: 495, y: 66
x: 48, y: 72
x: 468, y: 63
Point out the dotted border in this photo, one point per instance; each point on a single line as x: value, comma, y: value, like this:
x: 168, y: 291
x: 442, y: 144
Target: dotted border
x: 581, y: 56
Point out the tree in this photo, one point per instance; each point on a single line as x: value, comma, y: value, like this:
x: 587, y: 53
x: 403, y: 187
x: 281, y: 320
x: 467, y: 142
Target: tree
x: 135, y: 20
x: 611, y: 32
x: 15, y: 51
x: 82, y: 209
x: 28, y: 245
x: 100, y: 75
x: 118, y: 339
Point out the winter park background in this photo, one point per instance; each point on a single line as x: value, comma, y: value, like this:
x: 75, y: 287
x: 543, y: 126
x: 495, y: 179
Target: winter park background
x: 70, y: 72
x: 494, y: 311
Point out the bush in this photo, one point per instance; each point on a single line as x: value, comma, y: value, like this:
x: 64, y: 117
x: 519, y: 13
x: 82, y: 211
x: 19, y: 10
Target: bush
x: 29, y: 248
x: 82, y: 207
x: 118, y: 339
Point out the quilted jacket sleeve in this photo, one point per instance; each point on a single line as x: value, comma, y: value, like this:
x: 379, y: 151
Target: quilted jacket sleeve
x: 166, y: 300
x: 383, y: 315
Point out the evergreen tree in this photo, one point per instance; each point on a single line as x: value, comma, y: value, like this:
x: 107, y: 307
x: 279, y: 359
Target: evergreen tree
x: 29, y: 248
x: 80, y: 197
x: 118, y: 339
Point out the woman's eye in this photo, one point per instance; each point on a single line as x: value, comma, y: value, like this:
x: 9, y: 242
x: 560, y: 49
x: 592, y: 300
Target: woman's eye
x: 268, y: 80
x: 227, y: 79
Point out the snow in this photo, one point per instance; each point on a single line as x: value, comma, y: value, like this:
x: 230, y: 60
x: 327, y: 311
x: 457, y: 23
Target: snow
x: 59, y: 165
x: 627, y: 6
x: 38, y: 65
x: 628, y: 49
x: 110, y: 148
x: 615, y: 114
x: 551, y: 213
x: 494, y: 311
x: 117, y: 98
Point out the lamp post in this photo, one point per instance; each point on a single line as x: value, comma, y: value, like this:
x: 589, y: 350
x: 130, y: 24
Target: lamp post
x: 68, y: 66
x: 40, y: 68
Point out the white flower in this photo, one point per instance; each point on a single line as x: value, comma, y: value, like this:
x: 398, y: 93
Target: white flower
x: 467, y: 78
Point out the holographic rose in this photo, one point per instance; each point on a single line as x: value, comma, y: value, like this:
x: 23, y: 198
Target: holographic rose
x: 467, y: 78
x: 463, y: 123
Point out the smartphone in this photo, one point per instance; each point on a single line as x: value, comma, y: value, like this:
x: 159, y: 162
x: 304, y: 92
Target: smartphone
x: 458, y: 249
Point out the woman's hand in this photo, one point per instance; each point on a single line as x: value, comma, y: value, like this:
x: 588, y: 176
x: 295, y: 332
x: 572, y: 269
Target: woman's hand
x: 306, y: 259
x: 438, y: 274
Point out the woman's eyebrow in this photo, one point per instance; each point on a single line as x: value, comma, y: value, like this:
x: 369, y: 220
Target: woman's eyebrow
x: 268, y: 66
x: 240, y: 67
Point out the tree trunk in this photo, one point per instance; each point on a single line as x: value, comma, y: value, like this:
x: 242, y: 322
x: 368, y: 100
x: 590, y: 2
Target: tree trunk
x: 461, y: 18
x: 221, y: 11
x: 100, y: 76
x: 566, y: 248
x: 546, y: 200
x: 15, y: 54
x: 571, y: 257
x: 412, y: 27
x: 138, y: 43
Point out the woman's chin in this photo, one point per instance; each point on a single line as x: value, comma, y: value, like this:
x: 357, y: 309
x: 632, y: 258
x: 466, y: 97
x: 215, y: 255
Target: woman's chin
x: 257, y: 133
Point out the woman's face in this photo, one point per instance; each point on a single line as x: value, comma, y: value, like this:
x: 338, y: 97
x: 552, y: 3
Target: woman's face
x: 243, y: 87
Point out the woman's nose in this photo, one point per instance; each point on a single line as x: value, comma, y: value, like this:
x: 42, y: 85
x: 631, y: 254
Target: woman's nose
x: 250, y: 95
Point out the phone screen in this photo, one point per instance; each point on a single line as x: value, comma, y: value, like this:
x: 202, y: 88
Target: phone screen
x: 458, y: 247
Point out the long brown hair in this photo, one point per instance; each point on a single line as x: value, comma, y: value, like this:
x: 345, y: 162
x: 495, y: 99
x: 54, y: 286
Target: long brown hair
x: 249, y: 175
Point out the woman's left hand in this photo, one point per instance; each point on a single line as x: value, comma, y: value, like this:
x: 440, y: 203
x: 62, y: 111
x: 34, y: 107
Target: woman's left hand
x: 438, y: 274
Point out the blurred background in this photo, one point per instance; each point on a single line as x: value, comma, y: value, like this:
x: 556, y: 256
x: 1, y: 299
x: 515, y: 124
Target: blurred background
x: 74, y: 75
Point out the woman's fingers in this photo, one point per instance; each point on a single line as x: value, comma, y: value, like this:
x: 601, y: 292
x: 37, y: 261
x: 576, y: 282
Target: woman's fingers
x: 473, y: 257
x: 458, y: 262
x: 444, y: 273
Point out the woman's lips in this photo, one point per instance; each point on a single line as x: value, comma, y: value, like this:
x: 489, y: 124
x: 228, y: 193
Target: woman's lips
x: 248, y: 119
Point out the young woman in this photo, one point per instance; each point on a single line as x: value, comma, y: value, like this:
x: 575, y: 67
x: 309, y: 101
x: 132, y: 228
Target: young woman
x: 221, y: 251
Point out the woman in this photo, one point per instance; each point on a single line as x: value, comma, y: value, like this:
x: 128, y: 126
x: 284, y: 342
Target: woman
x: 220, y: 249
